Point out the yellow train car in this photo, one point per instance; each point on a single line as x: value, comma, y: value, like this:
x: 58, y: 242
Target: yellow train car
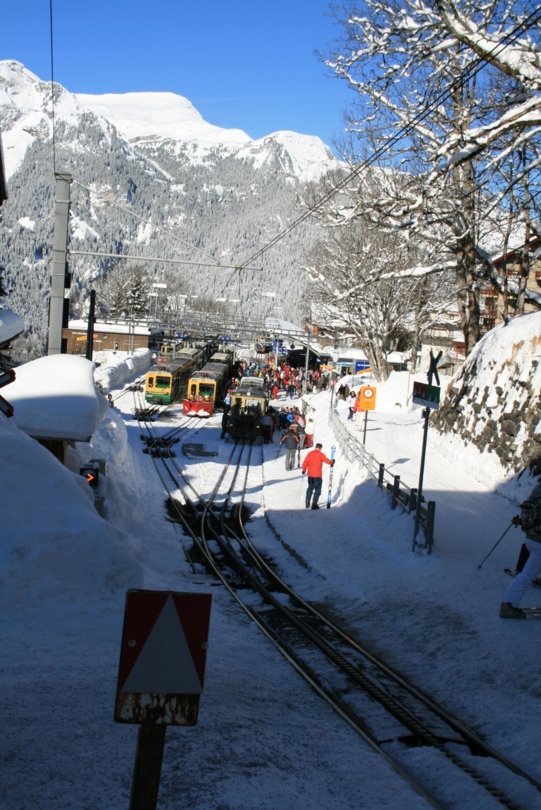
x: 164, y: 382
x: 249, y: 402
x: 206, y: 387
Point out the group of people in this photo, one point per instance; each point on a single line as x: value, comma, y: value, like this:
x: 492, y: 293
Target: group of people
x: 297, y: 433
x: 284, y: 379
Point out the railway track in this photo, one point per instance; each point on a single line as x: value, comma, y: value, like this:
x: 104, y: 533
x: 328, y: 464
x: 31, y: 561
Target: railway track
x: 446, y: 762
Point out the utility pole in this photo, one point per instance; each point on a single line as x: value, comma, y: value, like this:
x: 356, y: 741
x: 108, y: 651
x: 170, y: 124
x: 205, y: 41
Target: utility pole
x: 60, y: 277
x: 90, y: 327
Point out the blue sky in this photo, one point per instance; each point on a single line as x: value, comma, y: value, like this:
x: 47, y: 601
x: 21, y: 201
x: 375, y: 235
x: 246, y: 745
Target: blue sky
x: 245, y: 63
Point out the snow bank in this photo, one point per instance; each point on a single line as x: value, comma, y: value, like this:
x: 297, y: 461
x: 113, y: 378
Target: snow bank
x: 53, y: 540
x: 118, y: 369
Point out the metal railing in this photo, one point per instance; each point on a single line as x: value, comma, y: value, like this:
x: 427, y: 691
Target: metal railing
x: 401, y: 495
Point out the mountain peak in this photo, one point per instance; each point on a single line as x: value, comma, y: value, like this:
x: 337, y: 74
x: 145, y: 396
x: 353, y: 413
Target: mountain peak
x: 158, y: 115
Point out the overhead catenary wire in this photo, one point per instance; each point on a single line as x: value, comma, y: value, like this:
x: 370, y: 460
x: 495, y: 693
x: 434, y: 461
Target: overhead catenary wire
x: 132, y: 257
x: 403, y: 131
x: 471, y: 71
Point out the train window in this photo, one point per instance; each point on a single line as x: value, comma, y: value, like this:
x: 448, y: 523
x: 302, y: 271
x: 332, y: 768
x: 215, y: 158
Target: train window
x: 206, y: 390
x: 162, y: 382
x: 151, y: 382
x: 193, y: 390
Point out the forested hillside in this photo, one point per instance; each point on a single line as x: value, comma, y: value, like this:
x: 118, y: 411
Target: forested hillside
x: 156, y: 197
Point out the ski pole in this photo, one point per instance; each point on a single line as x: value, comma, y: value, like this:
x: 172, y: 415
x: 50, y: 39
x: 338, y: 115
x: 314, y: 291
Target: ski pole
x: 333, y: 455
x: 494, y: 546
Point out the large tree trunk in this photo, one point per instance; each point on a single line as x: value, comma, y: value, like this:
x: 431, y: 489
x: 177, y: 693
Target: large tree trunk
x: 468, y: 292
x: 377, y: 360
x: 525, y: 265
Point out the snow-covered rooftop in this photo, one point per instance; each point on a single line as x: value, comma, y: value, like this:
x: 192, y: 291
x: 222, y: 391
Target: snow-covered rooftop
x: 55, y: 397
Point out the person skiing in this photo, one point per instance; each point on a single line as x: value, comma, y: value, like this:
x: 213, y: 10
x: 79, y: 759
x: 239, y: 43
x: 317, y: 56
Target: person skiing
x: 313, y: 465
x: 530, y: 522
x: 290, y: 440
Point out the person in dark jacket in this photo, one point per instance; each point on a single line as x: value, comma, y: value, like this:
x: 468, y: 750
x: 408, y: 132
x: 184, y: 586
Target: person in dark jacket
x: 530, y: 522
x: 225, y: 415
x: 290, y: 441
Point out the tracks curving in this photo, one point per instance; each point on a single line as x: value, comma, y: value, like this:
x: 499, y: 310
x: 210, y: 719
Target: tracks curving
x: 446, y: 762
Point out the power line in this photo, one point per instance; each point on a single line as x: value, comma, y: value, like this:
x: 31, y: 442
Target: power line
x: 469, y: 73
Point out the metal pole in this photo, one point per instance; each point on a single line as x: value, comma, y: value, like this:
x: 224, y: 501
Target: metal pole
x: 90, y: 327
x: 426, y: 414
x: 499, y: 540
x: 59, y: 278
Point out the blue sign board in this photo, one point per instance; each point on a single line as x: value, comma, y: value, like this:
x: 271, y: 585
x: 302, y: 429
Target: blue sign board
x: 360, y: 365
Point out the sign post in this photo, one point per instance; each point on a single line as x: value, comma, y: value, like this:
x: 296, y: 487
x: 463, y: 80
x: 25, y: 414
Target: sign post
x: 366, y: 401
x: 160, y: 676
x: 428, y: 395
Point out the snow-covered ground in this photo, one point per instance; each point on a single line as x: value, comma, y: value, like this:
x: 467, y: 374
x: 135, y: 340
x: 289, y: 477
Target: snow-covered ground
x: 263, y: 741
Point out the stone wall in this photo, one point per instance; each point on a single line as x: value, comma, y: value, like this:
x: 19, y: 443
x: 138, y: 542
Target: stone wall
x: 494, y: 401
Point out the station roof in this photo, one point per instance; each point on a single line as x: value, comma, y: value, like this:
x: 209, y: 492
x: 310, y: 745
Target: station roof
x: 112, y: 327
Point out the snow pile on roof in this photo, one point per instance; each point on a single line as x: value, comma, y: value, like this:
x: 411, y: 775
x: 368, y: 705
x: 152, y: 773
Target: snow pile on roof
x: 55, y: 397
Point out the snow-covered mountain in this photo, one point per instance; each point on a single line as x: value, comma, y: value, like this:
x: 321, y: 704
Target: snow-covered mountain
x: 150, y: 177
x: 139, y: 118
x: 159, y: 116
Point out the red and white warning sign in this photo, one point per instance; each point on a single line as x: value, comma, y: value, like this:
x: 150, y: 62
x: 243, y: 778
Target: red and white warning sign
x: 162, y: 657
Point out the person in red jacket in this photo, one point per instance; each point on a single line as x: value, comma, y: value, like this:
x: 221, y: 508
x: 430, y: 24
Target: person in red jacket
x: 313, y: 465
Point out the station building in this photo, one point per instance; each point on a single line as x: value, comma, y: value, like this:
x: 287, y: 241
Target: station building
x: 113, y: 335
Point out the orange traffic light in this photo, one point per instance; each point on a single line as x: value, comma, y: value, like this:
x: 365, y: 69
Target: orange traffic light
x: 91, y: 475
